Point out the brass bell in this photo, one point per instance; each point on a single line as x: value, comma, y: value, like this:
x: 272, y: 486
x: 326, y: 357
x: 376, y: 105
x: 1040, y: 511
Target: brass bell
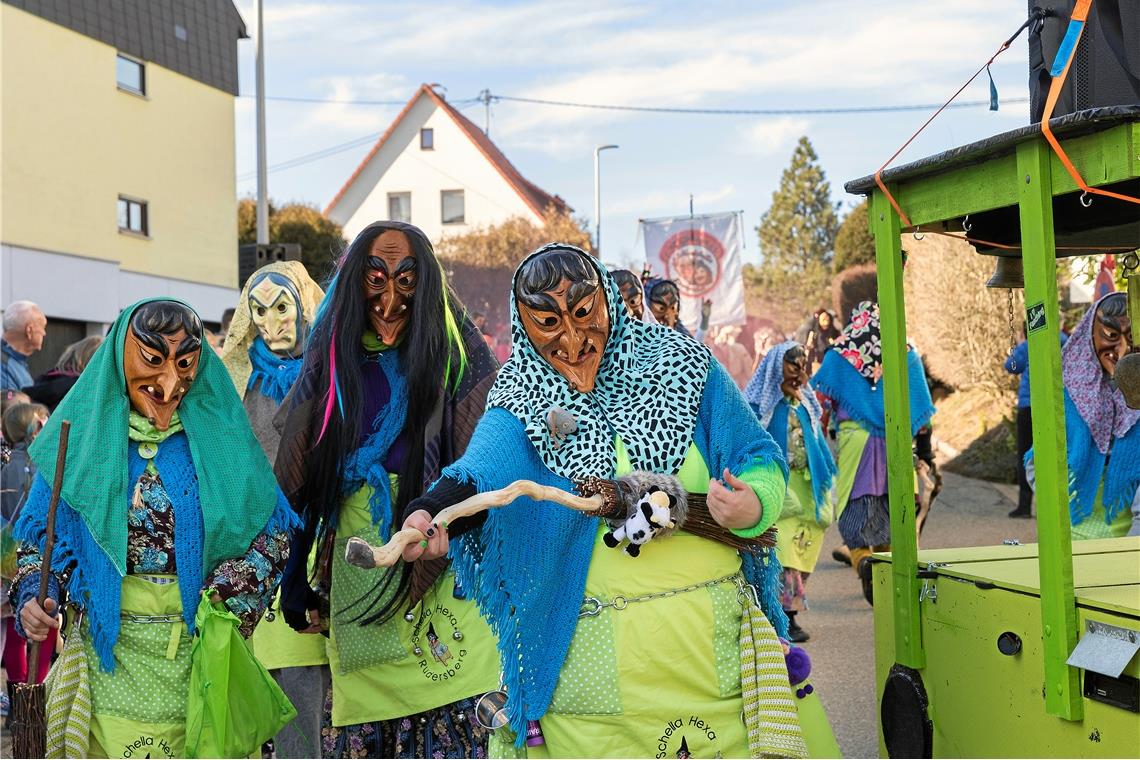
x: 1007, y: 273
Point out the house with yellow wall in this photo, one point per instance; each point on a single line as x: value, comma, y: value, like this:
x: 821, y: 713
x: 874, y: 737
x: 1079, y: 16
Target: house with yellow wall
x: 117, y: 157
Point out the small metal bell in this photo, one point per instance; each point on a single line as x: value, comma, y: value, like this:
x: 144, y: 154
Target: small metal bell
x: 417, y: 651
x: 458, y: 636
x: 411, y: 618
x: 1007, y: 273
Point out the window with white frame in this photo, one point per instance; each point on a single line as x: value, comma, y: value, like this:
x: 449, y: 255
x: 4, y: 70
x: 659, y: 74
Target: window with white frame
x: 130, y: 75
x: 133, y: 216
x: 451, y: 205
x: 400, y: 207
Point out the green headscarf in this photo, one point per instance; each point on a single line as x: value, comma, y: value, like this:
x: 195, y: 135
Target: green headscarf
x: 236, y: 484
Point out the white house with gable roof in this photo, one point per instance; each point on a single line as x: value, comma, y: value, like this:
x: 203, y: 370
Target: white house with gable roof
x: 435, y: 169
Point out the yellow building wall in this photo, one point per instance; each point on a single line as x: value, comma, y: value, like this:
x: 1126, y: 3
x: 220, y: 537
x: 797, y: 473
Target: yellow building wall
x: 71, y: 142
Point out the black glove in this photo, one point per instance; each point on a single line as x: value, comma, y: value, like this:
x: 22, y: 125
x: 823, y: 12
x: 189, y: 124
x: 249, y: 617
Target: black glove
x: 298, y: 619
x: 444, y: 493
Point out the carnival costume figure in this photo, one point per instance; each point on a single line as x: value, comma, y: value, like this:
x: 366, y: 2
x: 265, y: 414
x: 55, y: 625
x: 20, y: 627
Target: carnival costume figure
x: 607, y: 654
x: 263, y: 353
x: 166, y: 496
x: 394, y: 380
x: 850, y: 375
x: 1102, y: 434
x: 786, y: 405
x: 633, y: 295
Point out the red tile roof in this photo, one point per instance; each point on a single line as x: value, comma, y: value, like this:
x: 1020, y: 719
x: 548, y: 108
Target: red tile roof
x: 537, y: 199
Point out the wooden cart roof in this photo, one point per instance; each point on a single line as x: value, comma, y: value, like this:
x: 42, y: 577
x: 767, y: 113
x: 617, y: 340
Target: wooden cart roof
x: 980, y: 180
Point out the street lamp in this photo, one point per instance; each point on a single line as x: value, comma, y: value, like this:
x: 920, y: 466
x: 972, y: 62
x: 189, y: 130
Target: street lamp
x: 598, y: 198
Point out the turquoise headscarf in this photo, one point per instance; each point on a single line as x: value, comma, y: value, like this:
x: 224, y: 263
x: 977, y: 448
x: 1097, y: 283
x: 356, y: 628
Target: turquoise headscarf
x: 238, y: 491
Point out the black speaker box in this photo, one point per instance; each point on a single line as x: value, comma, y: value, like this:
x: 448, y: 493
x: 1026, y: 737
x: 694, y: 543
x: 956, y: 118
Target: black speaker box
x: 1106, y: 68
x: 252, y: 257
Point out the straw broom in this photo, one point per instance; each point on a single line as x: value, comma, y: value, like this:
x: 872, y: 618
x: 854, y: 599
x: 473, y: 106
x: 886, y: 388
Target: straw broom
x: 29, y: 723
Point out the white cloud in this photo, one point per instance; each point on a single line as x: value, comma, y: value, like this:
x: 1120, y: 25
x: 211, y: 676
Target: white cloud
x: 772, y: 136
x: 356, y: 119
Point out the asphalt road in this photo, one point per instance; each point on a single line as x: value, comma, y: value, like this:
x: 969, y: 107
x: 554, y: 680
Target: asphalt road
x: 967, y: 513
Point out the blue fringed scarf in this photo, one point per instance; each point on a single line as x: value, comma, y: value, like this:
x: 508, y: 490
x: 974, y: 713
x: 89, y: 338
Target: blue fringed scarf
x: 366, y: 464
x: 821, y: 464
x: 863, y: 402
x: 95, y: 583
x: 273, y: 374
x: 528, y: 564
x: 1119, y: 468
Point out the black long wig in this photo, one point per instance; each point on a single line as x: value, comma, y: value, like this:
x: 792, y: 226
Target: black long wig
x: 431, y: 358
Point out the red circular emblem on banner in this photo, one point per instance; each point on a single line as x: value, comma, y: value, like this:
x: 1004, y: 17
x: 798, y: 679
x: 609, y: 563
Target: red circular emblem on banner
x: 693, y: 260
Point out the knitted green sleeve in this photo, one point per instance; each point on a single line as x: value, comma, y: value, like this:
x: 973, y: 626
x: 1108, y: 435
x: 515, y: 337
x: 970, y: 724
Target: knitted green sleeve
x: 767, y: 480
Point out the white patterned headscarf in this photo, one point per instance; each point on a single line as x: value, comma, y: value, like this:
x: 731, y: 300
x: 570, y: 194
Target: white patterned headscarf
x: 648, y: 391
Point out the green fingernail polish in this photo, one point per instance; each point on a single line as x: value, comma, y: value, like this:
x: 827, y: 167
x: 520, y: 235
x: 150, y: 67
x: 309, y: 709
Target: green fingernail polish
x: 423, y: 544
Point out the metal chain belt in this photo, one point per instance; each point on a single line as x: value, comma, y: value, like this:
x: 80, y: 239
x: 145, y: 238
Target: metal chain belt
x: 592, y: 606
x: 131, y: 618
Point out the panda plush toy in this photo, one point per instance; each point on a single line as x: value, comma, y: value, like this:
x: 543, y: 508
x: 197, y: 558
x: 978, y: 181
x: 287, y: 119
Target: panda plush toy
x: 656, y: 505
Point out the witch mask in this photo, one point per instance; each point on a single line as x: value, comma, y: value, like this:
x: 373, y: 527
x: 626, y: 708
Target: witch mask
x: 665, y: 302
x: 160, y: 358
x: 390, y: 285
x: 795, y: 371
x: 563, y: 311
x: 275, y: 309
x: 1112, y: 332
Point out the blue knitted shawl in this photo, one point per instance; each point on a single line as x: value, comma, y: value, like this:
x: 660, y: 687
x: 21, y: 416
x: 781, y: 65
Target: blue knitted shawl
x: 862, y: 401
x: 95, y: 583
x: 821, y: 464
x: 366, y: 464
x: 1119, y: 469
x: 276, y: 373
x: 528, y: 563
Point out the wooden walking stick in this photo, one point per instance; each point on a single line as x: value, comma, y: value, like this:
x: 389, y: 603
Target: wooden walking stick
x: 360, y: 553
x: 29, y: 724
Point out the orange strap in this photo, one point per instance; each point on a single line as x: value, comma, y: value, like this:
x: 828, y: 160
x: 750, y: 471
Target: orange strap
x: 1080, y: 13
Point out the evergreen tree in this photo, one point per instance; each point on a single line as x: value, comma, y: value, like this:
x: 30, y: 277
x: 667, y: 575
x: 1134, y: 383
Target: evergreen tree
x: 854, y: 243
x: 797, y: 238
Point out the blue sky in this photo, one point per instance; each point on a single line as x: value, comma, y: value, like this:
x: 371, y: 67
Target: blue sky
x: 807, y: 54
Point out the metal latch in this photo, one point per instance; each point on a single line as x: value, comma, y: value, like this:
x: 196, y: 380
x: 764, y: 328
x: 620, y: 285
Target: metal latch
x: 928, y: 591
x: 1105, y: 649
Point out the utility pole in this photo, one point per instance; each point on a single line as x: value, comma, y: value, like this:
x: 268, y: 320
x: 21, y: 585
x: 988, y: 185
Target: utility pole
x: 262, y: 171
x: 485, y: 97
x: 598, y: 198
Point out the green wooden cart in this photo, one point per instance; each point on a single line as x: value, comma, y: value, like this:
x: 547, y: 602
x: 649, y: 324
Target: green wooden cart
x: 972, y: 645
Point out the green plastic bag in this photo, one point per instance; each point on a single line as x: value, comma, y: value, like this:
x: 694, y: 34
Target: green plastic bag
x: 234, y: 704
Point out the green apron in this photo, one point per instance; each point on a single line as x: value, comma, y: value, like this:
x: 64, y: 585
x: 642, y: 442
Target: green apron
x: 1094, y: 525
x: 799, y: 536
x: 139, y: 710
x: 446, y: 654
x: 277, y: 645
x: 852, y: 440
x: 608, y: 701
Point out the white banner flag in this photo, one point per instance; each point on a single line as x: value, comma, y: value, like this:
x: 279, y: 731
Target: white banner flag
x: 702, y: 255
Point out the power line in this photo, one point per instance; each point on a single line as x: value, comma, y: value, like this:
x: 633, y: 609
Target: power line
x: 338, y: 101
x: 465, y: 102
x: 468, y: 102
x: 753, y: 111
x: 316, y: 155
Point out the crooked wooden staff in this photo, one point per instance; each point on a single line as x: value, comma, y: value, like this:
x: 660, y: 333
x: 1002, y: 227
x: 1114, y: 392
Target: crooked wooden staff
x: 29, y: 724
x: 360, y: 553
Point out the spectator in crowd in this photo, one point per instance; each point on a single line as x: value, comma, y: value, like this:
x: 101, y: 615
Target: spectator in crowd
x: 24, y: 329
x: 224, y: 330
x: 1018, y: 364
x: 50, y: 388
x: 732, y: 355
x: 21, y: 422
x: 821, y: 335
